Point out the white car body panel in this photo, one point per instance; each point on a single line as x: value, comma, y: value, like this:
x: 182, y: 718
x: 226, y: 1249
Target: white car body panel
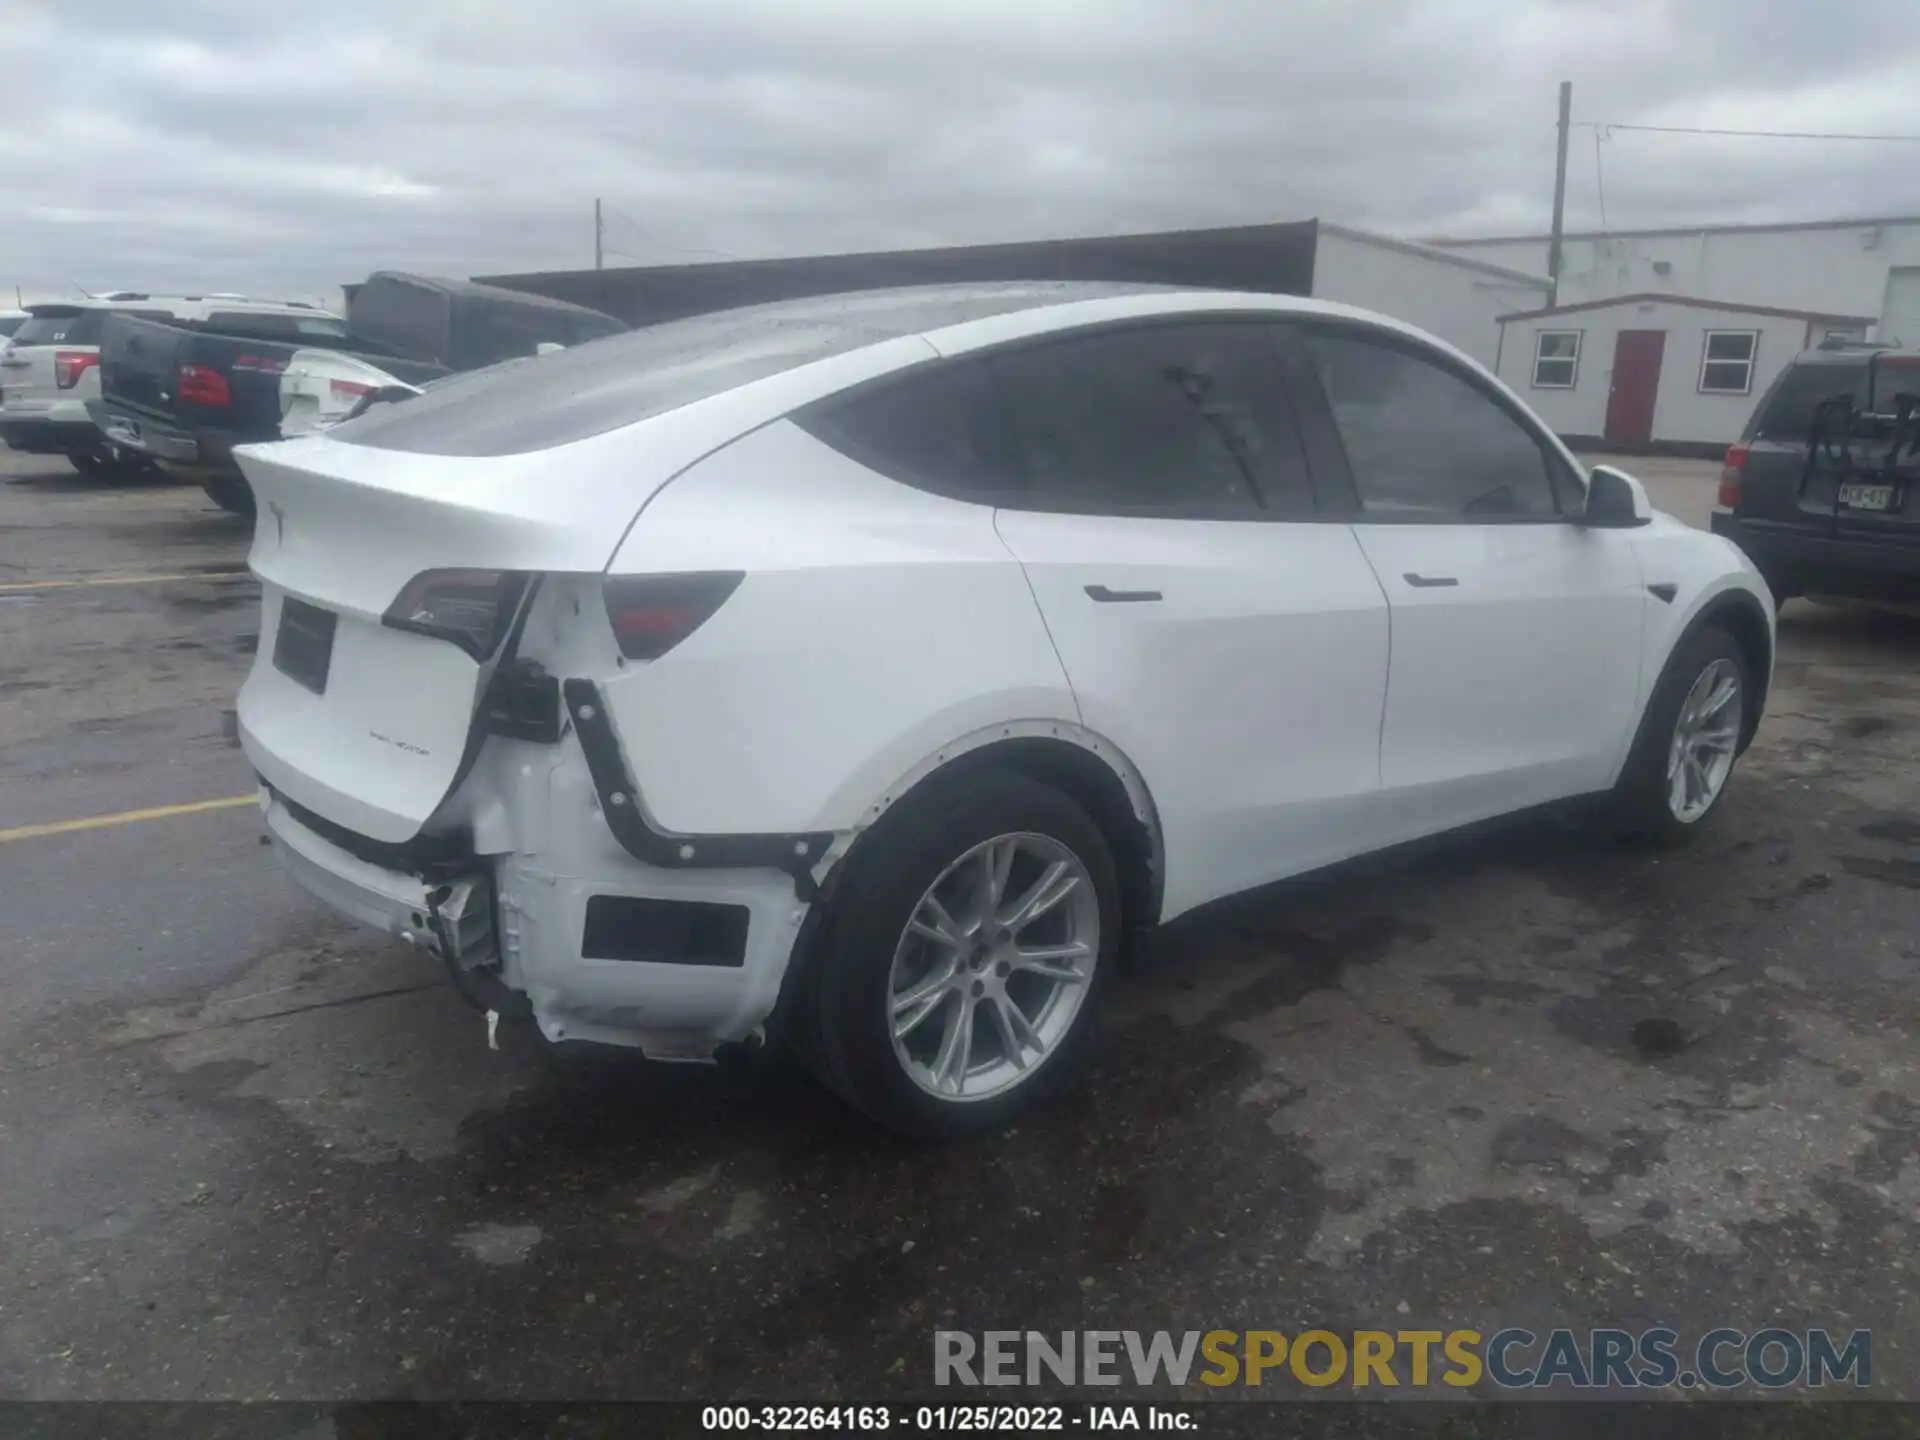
x: 773, y: 716
x: 1290, y: 700
x: 1548, y: 618
x: 1248, y: 696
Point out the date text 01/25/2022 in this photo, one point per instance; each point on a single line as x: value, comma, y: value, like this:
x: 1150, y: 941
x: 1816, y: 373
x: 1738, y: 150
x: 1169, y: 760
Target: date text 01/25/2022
x: 935, y: 1419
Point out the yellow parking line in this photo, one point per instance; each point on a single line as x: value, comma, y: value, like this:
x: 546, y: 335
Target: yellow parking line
x: 13, y: 586
x: 125, y: 817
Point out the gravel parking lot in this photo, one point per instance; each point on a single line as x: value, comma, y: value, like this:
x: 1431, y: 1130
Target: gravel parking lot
x: 252, y: 1152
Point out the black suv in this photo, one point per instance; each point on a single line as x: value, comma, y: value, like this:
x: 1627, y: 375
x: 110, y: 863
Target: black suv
x: 1823, y: 489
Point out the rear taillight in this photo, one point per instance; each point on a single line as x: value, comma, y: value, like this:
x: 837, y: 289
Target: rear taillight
x: 651, y: 614
x: 70, y: 365
x: 469, y: 608
x: 348, y: 389
x: 1731, y: 473
x: 202, y: 385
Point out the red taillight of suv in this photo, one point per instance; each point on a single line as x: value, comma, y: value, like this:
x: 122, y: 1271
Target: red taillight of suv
x: 348, y: 389
x: 201, y: 385
x: 70, y: 365
x: 651, y: 614
x: 1731, y: 474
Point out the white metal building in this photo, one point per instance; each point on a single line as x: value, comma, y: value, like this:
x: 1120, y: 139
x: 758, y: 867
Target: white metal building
x: 1459, y: 298
x: 1755, y: 294
x: 1665, y: 371
x: 1845, y: 267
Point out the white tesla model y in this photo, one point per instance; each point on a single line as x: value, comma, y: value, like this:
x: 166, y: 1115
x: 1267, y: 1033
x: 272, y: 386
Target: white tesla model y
x: 862, y: 669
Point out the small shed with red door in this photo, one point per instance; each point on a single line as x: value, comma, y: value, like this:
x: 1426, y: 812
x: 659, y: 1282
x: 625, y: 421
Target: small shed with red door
x: 1657, y: 372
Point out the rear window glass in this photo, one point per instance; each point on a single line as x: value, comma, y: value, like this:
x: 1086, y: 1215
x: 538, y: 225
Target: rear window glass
x: 408, y: 320
x: 61, y: 327
x: 528, y: 405
x: 1787, y: 413
x: 279, y: 327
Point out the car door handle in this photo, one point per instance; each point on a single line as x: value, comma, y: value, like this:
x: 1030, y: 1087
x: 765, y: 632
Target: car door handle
x: 1428, y: 582
x: 1120, y: 597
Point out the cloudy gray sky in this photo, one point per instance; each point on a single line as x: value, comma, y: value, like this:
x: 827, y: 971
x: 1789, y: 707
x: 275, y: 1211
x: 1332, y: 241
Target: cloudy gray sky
x: 285, y: 148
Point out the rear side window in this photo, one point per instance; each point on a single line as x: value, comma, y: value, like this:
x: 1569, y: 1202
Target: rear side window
x: 939, y: 429
x: 1156, y: 418
x: 1424, y: 442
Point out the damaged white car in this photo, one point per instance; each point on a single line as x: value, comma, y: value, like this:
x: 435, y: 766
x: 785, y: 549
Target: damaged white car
x: 863, y: 669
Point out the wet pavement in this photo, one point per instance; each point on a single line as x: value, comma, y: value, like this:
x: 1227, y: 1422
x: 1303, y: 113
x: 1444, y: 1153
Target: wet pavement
x: 1530, y: 1079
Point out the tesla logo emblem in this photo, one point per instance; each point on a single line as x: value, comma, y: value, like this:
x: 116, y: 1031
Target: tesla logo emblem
x: 279, y: 522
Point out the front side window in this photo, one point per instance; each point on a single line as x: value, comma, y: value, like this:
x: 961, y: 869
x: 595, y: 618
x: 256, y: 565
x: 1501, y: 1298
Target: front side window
x: 1187, y: 418
x: 1556, y: 359
x: 1422, y: 442
x: 1726, y: 365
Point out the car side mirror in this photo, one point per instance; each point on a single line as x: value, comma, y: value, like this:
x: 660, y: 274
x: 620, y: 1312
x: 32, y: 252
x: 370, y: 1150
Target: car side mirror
x: 1615, y: 501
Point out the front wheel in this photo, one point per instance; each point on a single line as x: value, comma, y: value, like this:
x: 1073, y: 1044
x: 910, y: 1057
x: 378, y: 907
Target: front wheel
x: 1689, y: 739
x: 966, y: 950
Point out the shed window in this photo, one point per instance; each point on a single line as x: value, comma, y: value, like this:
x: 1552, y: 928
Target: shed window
x: 1556, y: 359
x: 1726, y: 365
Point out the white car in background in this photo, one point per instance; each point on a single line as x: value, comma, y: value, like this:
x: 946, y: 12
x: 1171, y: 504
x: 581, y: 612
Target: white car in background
x: 863, y: 668
x: 320, y: 388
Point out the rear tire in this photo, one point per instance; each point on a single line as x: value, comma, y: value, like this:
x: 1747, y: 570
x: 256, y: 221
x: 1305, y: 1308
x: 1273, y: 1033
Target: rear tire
x: 1684, y: 754
x: 231, y: 493
x: 902, y: 1024
x: 90, y: 463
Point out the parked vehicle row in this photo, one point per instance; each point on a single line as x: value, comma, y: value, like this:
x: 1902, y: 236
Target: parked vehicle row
x: 50, y: 371
x: 859, y: 671
x: 121, y: 383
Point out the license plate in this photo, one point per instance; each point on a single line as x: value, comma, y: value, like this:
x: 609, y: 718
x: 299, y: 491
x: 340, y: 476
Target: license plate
x: 1867, y: 497
x: 303, y: 647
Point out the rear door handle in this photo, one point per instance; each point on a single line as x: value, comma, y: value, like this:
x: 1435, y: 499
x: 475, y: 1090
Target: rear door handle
x: 1428, y: 582
x: 1120, y: 597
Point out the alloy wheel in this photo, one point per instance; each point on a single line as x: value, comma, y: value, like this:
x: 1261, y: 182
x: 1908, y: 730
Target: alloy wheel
x: 995, y: 962
x: 1706, y: 737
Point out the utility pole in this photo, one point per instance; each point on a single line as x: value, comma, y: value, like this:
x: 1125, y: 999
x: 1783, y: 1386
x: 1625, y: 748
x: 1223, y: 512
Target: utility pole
x: 1559, y: 194
x: 599, y: 230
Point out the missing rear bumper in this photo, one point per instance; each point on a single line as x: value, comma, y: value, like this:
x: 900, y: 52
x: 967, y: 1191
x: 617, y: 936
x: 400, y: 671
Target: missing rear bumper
x: 626, y: 813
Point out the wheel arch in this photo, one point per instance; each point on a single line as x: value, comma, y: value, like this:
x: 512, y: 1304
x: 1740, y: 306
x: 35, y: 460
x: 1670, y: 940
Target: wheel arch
x: 1097, y: 774
x: 1081, y: 762
x: 1742, y: 615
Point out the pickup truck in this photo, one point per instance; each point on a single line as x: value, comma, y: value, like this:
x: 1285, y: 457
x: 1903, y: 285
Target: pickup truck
x: 187, y: 394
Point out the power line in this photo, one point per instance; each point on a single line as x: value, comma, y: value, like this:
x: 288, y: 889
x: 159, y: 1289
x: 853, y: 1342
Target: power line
x: 651, y: 239
x: 1602, y: 125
